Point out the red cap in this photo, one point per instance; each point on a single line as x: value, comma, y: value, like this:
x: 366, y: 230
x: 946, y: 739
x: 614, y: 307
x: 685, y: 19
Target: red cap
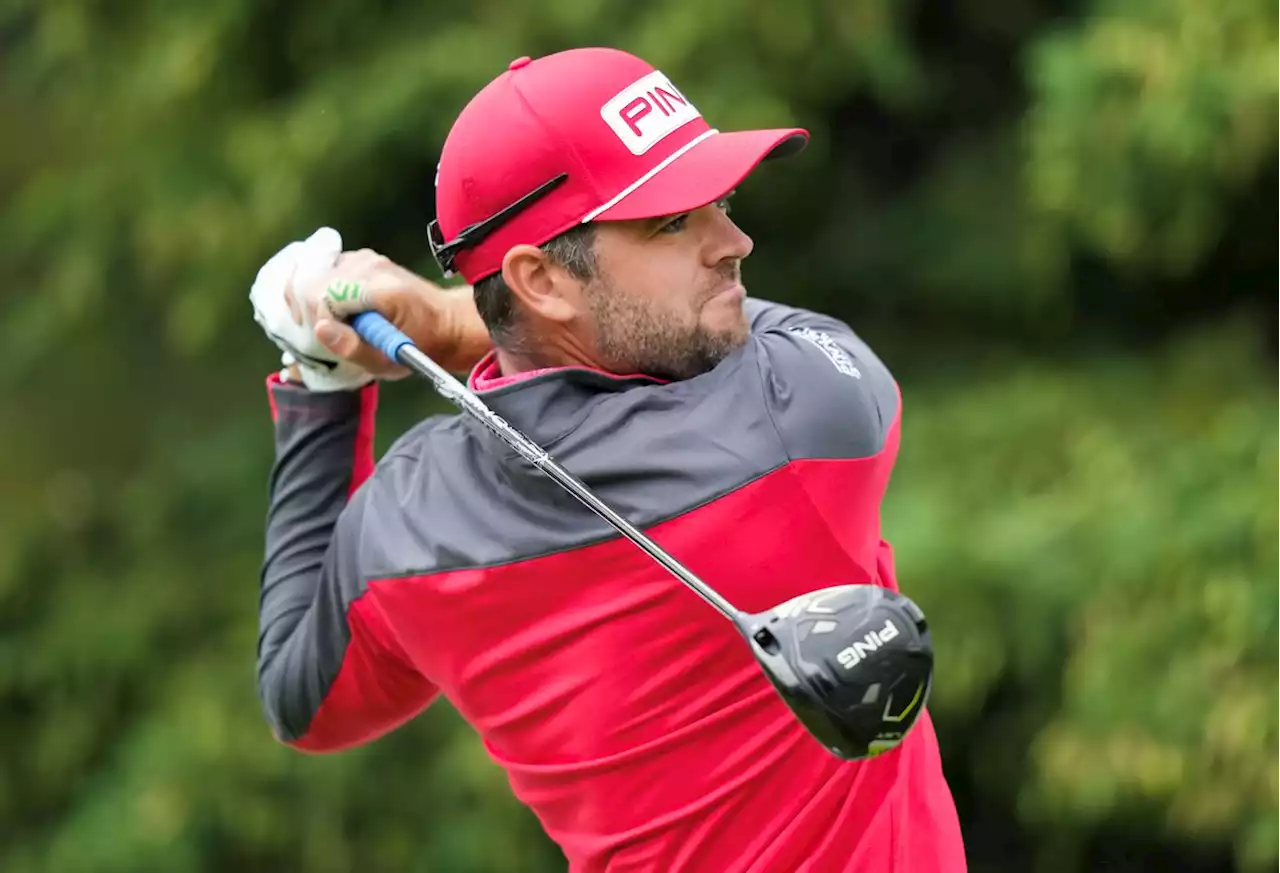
x: 598, y: 134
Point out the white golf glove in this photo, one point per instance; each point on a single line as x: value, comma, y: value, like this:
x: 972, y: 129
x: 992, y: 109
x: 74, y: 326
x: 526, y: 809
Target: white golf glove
x: 299, y: 264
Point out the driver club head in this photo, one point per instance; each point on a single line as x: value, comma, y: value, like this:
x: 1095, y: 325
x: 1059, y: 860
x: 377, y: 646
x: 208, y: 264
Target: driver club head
x: 853, y: 662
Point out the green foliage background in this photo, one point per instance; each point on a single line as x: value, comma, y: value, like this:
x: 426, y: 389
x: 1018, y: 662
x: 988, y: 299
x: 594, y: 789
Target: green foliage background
x: 1055, y: 219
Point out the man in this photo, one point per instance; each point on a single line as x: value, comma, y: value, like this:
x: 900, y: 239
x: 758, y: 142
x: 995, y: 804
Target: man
x: 585, y: 200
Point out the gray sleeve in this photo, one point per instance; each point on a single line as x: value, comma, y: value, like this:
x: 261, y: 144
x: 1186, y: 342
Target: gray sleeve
x: 313, y: 572
x: 828, y: 394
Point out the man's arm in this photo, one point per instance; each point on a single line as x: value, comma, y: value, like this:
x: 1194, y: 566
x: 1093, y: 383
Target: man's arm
x: 330, y: 672
x: 443, y: 322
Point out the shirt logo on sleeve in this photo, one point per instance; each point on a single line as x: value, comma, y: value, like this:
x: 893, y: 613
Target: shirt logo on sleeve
x: 828, y: 347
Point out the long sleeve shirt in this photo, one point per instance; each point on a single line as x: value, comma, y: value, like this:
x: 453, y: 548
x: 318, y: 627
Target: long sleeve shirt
x: 629, y: 715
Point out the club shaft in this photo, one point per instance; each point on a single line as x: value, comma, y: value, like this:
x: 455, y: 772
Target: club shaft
x: 458, y: 394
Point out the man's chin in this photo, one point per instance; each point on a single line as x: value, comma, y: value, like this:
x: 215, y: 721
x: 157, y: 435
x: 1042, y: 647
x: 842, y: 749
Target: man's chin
x: 729, y: 327
x: 720, y: 343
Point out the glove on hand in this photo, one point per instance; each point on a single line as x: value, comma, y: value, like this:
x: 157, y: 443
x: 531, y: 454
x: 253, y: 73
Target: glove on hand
x: 280, y: 306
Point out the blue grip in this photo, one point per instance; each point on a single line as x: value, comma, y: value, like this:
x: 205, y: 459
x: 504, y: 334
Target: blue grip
x: 380, y: 333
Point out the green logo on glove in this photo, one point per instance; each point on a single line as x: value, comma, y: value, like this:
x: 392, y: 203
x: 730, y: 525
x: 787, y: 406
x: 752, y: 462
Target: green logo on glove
x: 342, y: 292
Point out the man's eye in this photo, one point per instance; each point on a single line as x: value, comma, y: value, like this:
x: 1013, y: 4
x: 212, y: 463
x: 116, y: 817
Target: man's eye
x: 675, y: 225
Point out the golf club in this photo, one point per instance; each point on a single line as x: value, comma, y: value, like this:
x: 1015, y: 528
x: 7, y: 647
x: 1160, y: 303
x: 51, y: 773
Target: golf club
x: 853, y: 662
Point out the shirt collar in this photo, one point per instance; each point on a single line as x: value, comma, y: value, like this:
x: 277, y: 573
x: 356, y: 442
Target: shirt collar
x: 544, y: 404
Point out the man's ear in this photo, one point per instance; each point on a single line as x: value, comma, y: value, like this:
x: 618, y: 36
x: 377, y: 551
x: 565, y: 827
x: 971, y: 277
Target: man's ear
x: 542, y: 288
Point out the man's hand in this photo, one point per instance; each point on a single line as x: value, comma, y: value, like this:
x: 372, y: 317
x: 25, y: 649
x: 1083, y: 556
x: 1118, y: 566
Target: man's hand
x: 303, y: 295
x: 442, y: 322
x: 307, y: 360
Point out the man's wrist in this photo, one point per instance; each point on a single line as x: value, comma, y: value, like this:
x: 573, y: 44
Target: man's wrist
x: 467, y: 338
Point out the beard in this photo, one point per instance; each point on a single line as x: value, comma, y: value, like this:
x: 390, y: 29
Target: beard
x: 636, y: 335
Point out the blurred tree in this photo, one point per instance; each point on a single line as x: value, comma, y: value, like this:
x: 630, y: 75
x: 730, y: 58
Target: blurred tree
x: 1148, y: 117
x: 1096, y: 545
x: 1045, y: 214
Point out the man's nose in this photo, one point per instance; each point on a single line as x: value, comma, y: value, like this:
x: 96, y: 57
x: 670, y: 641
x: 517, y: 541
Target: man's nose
x: 726, y: 240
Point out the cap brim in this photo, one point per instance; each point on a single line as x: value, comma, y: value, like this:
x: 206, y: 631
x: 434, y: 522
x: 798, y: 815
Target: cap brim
x: 707, y: 171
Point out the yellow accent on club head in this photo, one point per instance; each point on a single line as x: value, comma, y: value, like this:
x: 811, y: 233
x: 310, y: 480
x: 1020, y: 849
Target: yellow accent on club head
x: 910, y: 706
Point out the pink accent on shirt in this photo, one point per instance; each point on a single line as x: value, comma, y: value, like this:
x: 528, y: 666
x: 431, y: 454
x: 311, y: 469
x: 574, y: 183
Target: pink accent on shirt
x: 487, y: 375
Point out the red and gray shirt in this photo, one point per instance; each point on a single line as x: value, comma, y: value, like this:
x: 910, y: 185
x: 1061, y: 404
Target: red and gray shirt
x: 629, y: 715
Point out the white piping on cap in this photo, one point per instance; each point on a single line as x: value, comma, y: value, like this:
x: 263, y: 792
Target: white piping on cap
x: 666, y: 162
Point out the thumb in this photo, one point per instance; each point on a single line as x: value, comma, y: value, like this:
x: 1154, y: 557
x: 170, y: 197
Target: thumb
x: 343, y: 341
x: 337, y: 338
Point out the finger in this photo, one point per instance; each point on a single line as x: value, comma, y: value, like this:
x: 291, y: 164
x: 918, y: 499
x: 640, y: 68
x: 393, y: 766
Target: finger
x: 343, y: 341
x: 358, y: 261
x: 338, y: 338
x: 344, y: 298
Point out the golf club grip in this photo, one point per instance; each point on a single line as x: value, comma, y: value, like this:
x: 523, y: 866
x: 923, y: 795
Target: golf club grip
x: 384, y: 336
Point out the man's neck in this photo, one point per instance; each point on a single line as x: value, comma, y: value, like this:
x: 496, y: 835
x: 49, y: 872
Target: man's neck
x: 511, y: 363
x: 550, y: 352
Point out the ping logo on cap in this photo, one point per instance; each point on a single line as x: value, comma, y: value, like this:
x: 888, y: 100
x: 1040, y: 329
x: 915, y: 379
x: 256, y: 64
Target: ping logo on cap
x: 646, y: 111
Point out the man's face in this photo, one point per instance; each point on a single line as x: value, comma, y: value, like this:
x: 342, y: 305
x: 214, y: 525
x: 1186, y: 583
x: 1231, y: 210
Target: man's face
x: 667, y: 296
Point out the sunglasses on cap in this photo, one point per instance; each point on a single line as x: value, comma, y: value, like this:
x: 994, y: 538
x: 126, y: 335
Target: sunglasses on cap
x: 474, y: 234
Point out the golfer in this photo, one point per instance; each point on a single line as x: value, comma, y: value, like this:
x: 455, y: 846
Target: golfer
x: 584, y: 199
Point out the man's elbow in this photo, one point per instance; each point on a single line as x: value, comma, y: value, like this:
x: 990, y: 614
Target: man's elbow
x: 300, y: 727
x: 288, y: 733
x: 306, y: 745
x: 287, y: 723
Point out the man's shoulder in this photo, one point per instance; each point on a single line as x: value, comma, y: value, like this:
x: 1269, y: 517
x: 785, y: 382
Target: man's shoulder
x: 419, y: 506
x: 413, y: 455
x: 827, y: 392
x: 422, y: 439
